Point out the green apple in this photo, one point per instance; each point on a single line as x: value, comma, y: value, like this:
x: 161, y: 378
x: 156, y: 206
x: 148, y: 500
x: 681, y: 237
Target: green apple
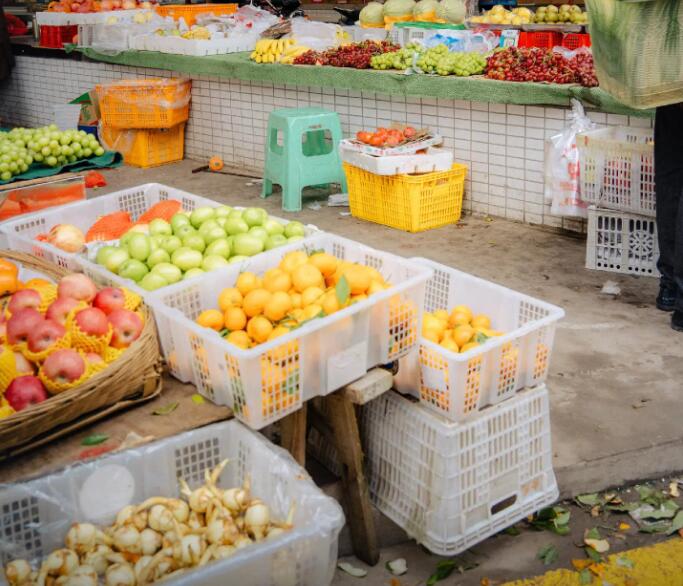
x: 274, y: 241
x: 259, y: 232
x: 221, y: 247
x: 160, y: 227
x: 207, y: 226
x: 184, y: 230
x: 168, y: 271
x: 158, y: 256
x: 247, y: 245
x: 222, y: 211
x: 201, y: 215
x: 152, y: 281
x: 221, y: 222
x: 254, y: 216
x: 115, y: 259
x: 295, y: 229
x: 273, y: 227
x: 236, y: 226
x: 237, y: 258
x: 144, y: 228
x: 103, y: 253
x: 192, y: 273
x: 187, y: 258
x: 133, y: 269
x: 179, y: 220
x: 171, y: 243
x: 139, y: 246
x: 123, y: 241
x: 194, y: 241
x: 235, y: 215
x: 295, y: 238
x: 213, y: 261
x: 155, y: 242
x: 216, y: 233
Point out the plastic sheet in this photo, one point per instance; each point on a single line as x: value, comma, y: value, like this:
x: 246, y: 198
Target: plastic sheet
x: 37, y: 514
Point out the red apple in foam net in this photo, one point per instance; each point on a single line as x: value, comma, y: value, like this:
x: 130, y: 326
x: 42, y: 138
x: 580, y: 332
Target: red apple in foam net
x: 44, y: 335
x: 92, y: 321
x: 109, y: 299
x: 25, y: 391
x: 60, y: 309
x: 21, y: 323
x: 127, y: 327
x: 64, y: 366
x: 93, y: 358
x: 22, y: 364
x: 77, y: 286
x: 24, y: 299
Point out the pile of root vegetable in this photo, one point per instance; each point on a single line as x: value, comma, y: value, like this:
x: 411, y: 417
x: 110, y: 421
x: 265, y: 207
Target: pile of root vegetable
x: 157, y: 539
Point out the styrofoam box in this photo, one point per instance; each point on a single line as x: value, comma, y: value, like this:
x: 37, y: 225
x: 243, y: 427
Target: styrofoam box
x: 620, y: 242
x: 37, y: 514
x: 433, y: 160
x: 265, y: 383
x: 617, y: 169
x: 452, y: 485
x: 21, y: 232
x: 196, y: 47
x: 407, y: 149
x: 74, y: 18
x: 459, y: 385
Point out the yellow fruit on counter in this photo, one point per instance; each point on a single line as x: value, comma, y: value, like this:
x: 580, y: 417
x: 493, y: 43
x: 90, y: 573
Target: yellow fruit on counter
x: 239, y: 338
x: 255, y: 301
x: 229, y: 297
x: 211, y: 318
x: 234, y: 318
x: 278, y: 306
x: 259, y: 328
x: 247, y: 282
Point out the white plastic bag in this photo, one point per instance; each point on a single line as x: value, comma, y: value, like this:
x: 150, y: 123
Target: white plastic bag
x: 562, y: 185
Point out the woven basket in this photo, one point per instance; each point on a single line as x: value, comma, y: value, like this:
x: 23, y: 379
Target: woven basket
x: 134, y: 377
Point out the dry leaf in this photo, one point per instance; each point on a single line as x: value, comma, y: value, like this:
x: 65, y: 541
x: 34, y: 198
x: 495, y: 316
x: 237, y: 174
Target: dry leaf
x: 595, y: 511
x: 485, y: 582
x: 597, y: 569
x: 581, y: 564
x: 599, y: 545
x: 394, y: 582
x: 673, y: 489
x: 624, y: 526
x: 680, y: 532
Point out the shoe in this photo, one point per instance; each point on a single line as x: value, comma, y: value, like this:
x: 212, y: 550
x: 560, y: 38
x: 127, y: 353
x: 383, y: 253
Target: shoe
x: 677, y: 321
x: 666, y: 300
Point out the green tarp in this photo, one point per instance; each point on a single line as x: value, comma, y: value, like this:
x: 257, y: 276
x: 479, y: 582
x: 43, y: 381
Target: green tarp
x: 108, y: 159
x: 478, y: 88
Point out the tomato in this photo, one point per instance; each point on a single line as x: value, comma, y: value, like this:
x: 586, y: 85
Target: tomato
x: 376, y: 140
x: 396, y: 134
x: 409, y: 132
x: 363, y: 136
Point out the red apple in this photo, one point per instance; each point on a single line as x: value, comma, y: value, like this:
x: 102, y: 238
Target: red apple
x: 92, y: 321
x: 64, y: 366
x: 60, y: 309
x: 77, y: 286
x: 109, y: 299
x: 24, y: 299
x: 25, y: 391
x: 127, y: 327
x: 23, y: 364
x: 44, y: 335
x: 94, y: 358
x: 21, y: 323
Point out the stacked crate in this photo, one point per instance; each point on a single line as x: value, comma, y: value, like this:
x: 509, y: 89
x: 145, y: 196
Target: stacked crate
x: 618, y: 178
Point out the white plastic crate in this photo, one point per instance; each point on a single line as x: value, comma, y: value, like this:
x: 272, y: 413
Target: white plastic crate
x: 617, y: 169
x: 459, y: 385
x: 35, y: 515
x: 196, y: 47
x: 76, y: 18
x: 265, y: 383
x: 620, y: 242
x: 452, y: 485
x: 434, y: 159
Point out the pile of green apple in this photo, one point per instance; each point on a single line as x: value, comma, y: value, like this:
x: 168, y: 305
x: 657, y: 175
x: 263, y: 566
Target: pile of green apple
x: 160, y: 253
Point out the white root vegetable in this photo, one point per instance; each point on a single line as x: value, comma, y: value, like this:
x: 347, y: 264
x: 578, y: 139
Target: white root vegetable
x: 150, y: 542
x: 257, y: 519
x: 97, y: 558
x: 129, y: 515
x: 178, y: 508
x: 189, y: 550
x: 223, y: 551
x: 242, y: 541
x: 18, y: 572
x: 198, y: 499
x: 160, y: 519
x: 81, y: 576
x: 60, y: 562
x: 127, y: 539
x: 196, y: 520
x: 222, y: 531
x: 84, y: 537
x: 120, y: 575
x: 140, y: 565
x: 116, y: 558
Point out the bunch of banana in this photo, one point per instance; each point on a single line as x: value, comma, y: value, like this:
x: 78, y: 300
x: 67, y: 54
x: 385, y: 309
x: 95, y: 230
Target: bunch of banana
x: 273, y: 50
x: 197, y: 33
x: 293, y: 52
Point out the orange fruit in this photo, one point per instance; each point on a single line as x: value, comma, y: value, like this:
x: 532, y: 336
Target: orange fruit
x: 278, y: 306
x: 277, y: 332
x: 311, y: 312
x: 459, y: 318
x: 441, y: 314
x: 330, y: 303
x: 311, y: 295
x: 463, y: 334
x: 463, y: 309
x: 255, y: 301
x: 324, y: 262
x: 481, y: 321
x: 259, y: 328
x: 277, y: 280
x: 449, y: 344
x: 431, y: 335
x: 297, y: 301
x: 469, y: 346
x: 429, y: 322
x: 297, y: 314
x: 211, y: 318
x: 229, y: 297
x: 234, y: 318
x: 375, y: 287
x: 357, y: 298
x: 305, y: 276
x: 37, y: 284
x: 247, y: 282
x: 215, y: 163
x: 291, y: 260
x: 375, y: 275
x: 239, y: 338
x: 358, y: 278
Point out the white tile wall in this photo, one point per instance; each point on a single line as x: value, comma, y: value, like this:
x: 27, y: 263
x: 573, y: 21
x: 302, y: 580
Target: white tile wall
x: 503, y: 145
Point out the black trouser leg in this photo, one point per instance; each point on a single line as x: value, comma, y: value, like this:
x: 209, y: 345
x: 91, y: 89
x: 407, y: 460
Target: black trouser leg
x: 669, y: 191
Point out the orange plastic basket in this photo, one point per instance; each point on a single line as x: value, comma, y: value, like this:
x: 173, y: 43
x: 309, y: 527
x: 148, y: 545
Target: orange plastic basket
x: 145, y: 103
x: 190, y: 11
x: 147, y: 147
x: 412, y: 203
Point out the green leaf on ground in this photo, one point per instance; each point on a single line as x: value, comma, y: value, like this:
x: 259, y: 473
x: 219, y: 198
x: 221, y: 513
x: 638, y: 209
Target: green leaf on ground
x: 592, y: 554
x: 446, y: 567
x: 95, y: 439
x: 590, y: 500
x: 512, y: 531
x: 166, y: 409
x: 555, y: 519
x: 624, y: 562
x: 585, y: 577
x: 592, y: 534
x: 198, y: 399
x: 676, y: 523
x: 548, y: 554
x: 661, y: 526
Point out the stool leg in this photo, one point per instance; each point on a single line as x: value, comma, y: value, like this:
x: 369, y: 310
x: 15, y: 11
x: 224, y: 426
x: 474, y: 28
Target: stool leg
x: 293, y: 434
x: 342, y: 419
x: 267, y: 188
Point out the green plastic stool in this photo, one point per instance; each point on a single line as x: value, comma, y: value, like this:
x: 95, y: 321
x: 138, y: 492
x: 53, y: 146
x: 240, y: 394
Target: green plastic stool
x: 304, y: 158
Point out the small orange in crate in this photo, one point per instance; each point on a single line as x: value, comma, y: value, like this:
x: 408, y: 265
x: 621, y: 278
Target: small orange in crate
x: 412, y: 203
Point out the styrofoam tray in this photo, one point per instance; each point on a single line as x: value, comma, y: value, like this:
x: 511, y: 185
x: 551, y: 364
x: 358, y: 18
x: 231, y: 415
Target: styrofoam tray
x: 67, y: 18
x: 196, y: 47
x: 434, y: 159
x: 354, y: 145
x: 38, y: 513
x: 267, y: 382
x: 459, y: 385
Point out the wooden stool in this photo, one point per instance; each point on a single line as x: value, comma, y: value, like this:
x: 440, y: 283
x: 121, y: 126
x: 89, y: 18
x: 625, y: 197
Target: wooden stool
x: 340, y: 427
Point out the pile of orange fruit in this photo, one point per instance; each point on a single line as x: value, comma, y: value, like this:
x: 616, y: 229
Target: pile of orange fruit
x: 457, y: 331
x: 302, y: 287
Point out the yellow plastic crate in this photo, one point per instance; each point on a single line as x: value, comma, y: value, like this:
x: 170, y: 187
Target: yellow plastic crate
x: 407, y: 202
x: 190, y: 11
x: 147, y: 148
